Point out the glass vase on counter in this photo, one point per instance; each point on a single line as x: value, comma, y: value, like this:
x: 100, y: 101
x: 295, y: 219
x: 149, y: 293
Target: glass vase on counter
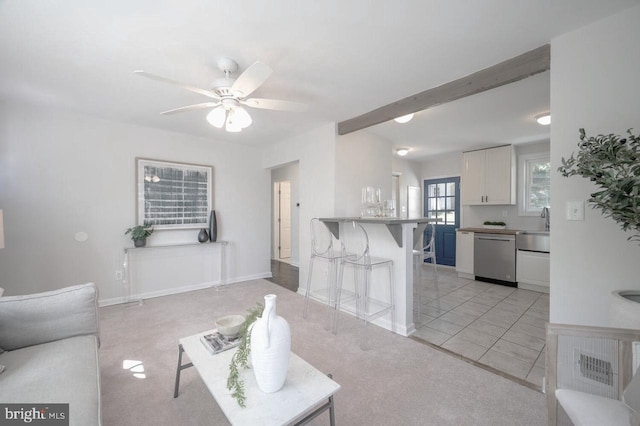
x: 389, y: 208
x: 371, y: 202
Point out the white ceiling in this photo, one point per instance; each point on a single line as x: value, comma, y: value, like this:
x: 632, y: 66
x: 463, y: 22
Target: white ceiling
x: 505, y: 115
x: 342, y: 57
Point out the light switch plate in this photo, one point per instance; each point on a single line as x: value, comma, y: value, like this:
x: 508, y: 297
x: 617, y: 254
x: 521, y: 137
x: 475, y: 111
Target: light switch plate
x: 575, y: 210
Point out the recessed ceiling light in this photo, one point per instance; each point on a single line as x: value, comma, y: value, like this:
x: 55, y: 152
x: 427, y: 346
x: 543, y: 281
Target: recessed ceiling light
x: 402, y: 151
x: 543, y: 119
x: 404, y: 118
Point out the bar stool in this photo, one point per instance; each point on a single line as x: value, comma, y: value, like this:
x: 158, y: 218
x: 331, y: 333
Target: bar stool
x: 355, y: 246
x: 322, y: 248
x: 427, y: 251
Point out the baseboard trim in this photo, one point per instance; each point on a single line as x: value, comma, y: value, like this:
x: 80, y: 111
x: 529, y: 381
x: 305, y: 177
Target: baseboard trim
x: 178, y: 290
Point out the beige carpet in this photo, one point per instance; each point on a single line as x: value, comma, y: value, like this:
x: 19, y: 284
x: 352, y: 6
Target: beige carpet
x: 386, y: 379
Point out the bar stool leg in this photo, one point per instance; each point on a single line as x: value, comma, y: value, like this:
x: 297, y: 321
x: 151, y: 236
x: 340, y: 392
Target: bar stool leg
x: 367, y: 281
x: 306, y: 293
x: 392, y: 299
x: 338, y: 296
x: 331, y: 293
x: 418, y: 261
x: 357, y: 290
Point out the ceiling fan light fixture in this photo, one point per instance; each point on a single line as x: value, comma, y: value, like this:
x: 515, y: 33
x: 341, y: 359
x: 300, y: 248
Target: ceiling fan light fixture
x: 217, y: 117
x: 241, y: 117
x: 403, y: 119
x: 402, y: 151
x: 543, y: 119
x: 229, y: 93
x: 232, y: 125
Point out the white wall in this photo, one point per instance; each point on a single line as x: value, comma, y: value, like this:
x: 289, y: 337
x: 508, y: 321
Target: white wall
x: 362, y: 159
x: 290, y: 173
x: 61, y: 173
x: 441, y: 166
x: 409, y: 172
x: 594, y: 84
x: 315, y: 153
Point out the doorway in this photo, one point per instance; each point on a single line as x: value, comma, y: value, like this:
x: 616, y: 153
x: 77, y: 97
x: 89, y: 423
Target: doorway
x: 282, y: 220
x: 442, y: 201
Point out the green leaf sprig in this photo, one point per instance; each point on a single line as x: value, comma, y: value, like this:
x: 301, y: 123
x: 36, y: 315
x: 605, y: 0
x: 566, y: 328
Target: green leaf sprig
x: 240, y: 359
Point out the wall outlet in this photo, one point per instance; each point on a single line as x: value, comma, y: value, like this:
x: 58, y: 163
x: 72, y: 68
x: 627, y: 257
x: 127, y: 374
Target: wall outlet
x: 118, y: 275
x: 505, y: 213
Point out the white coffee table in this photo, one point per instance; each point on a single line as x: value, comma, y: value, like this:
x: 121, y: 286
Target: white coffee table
x: 306, y: 393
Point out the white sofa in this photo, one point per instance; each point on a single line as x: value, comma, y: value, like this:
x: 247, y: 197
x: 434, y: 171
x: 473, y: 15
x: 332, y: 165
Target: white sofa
x: 49, y: 348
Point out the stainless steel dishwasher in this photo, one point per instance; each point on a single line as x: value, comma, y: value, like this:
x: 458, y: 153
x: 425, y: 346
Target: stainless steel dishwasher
x: 494, y: 258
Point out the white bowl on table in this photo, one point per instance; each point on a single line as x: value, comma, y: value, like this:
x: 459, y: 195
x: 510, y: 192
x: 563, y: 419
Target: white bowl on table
x: 229, y: 326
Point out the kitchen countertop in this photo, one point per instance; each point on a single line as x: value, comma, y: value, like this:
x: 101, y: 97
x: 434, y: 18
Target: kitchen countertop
x: 394, y: 225
x: 382, y: 220
x: 492, y: 231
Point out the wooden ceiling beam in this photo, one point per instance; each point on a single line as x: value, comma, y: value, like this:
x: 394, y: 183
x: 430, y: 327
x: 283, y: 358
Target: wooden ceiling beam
x: 520, y: 67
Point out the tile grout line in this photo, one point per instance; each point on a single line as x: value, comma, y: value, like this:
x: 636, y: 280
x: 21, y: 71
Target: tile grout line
x: 478, y: 318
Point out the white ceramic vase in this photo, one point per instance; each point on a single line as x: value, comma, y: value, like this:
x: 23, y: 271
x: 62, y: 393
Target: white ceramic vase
x: 270, y: 348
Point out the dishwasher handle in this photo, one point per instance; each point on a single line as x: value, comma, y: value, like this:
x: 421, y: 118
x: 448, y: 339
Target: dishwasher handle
x: 505, y: 239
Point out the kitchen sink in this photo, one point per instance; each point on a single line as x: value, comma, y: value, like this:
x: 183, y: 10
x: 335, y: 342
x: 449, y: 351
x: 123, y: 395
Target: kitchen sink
x: 533, y: 241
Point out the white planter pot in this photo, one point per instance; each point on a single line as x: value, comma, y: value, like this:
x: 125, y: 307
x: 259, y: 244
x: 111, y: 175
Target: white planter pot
x: 270, y: 348
x: 624, y: 309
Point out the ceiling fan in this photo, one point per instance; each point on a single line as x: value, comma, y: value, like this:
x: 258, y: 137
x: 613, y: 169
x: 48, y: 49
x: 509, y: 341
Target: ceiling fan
x: 231, y: 95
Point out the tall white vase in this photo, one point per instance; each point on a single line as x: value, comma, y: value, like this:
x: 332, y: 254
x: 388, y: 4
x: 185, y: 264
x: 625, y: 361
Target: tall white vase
x: 270, y: 348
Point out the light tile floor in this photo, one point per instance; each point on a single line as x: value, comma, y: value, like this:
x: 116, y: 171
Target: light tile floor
x: 498, y: 326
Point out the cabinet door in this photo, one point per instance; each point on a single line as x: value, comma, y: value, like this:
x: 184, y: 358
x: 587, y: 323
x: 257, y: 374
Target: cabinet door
x: 499, y: 188
x: 464, y: 252
x: 473, y: 172
x: 533, y: 268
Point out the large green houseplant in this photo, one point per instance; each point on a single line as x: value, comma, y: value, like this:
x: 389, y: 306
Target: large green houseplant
x: 611, y: 162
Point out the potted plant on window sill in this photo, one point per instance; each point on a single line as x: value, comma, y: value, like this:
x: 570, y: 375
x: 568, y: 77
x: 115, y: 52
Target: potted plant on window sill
x: 139, y: 234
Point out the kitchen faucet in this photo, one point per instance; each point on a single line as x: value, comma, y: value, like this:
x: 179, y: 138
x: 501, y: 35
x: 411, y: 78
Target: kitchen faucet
x: 545, y: 215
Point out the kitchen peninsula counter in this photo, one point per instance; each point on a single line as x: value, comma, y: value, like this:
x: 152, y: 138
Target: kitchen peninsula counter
x: 394, y: 239
x: 394, y: 225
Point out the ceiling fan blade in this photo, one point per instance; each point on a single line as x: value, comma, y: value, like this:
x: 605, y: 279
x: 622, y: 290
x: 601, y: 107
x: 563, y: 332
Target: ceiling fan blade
x: 251, y: 79
x: 176, y: 83
x: 275, y: 104
x: 191, y: 107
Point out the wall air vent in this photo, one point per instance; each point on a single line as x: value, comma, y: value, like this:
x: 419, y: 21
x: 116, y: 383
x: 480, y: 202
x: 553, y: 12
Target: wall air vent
x: 596, y: 369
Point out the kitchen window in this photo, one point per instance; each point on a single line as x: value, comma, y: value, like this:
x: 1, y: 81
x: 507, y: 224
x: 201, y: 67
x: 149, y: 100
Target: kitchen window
x: 535, y: 183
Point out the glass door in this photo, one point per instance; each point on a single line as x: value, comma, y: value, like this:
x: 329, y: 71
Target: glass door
x: 442, y: 201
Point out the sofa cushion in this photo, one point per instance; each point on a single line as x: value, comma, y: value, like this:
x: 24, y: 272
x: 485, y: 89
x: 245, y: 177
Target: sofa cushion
x: 593, y: 410
x: 64, y: 371
x: 49, y: 316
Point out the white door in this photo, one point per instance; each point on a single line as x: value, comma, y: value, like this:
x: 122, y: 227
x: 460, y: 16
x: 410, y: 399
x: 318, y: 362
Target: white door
x: 285, y: 220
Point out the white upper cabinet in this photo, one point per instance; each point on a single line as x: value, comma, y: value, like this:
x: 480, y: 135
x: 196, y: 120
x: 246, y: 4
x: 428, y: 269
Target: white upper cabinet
x: 488, y: 176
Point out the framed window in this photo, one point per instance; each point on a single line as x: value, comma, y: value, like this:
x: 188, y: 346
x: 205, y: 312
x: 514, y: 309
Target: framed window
x: 173, y: 195
x: 535, y: 183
